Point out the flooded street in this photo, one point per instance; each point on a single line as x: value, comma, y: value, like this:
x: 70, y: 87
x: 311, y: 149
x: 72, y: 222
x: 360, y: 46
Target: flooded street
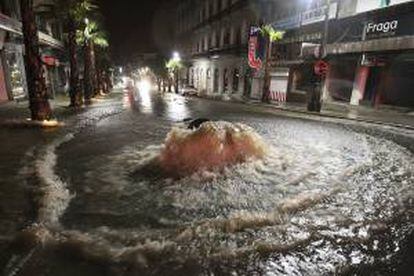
x: 325, y: 199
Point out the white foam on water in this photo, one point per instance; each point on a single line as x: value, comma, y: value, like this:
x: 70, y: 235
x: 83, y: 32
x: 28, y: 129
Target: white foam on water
x: 55, y: 196
x: 271, y: 203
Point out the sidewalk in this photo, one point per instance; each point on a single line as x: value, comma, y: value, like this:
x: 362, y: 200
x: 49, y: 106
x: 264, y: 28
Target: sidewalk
x: 19, y: 111
x: 391, y: 117
x: 14, y: 110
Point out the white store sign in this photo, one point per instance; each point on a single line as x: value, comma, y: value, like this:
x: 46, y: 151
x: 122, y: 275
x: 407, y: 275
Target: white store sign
x: 318, y: 14
x: 369, y: 5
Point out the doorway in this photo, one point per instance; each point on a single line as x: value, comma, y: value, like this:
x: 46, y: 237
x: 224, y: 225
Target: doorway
x: 372, y: 86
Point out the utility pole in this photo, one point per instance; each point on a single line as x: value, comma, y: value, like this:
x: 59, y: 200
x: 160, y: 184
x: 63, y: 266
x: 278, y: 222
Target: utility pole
x: 325, y: 34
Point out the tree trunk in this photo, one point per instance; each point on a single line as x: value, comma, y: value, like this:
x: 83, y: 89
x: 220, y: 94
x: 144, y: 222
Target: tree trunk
x: 99, y: 84
x: 159, y: 84
x: 87, y: 73
x: 94, y: 72
x: 38, y: 99
x: 266, y: 79
x: 108, y: 82
x: 176, y: 81
x: 74, y: 89
x: 169, y: 86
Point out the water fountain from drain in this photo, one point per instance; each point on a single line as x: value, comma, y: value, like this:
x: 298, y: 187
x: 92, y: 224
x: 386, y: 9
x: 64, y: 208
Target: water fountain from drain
x: 214, y: 145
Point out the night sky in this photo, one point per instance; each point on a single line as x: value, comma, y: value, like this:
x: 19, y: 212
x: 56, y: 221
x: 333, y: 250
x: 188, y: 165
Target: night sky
x: 132, y: 26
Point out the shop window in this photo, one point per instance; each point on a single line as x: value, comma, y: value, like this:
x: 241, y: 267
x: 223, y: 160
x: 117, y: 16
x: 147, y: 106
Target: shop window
x: 16, y: 73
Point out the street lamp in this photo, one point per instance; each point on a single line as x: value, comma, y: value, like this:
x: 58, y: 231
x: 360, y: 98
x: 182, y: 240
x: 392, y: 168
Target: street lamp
x: 177, y: 59
x: 176, y: 56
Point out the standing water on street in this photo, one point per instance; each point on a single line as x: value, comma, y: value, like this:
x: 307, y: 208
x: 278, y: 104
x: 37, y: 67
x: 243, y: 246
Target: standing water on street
x: 144, y: 194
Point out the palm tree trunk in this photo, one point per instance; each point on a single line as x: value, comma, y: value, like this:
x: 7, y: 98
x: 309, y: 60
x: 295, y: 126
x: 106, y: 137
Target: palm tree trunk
x: 94, y: 73
x: 266, y: 79
x: 176, y: 81
x: 87, y: 73
x: 74, y: 90
x: 38, y: 99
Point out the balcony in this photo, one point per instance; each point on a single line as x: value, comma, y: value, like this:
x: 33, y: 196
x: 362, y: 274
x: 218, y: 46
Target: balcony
x: 15, y: 26
x: 235, y: 49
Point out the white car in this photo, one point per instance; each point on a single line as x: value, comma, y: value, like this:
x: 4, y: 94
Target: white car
x: 189, y: 91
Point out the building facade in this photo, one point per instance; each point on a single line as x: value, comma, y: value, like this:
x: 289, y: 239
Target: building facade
x: 12, y: 70
x: 212, y: 35
x: 369, y: 49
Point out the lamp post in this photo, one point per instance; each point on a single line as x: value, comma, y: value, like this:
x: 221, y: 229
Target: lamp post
x: 325, y: 34
x: 177, y: 59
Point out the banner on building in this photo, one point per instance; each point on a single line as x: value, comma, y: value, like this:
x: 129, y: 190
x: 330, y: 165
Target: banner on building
x: 256, y: 51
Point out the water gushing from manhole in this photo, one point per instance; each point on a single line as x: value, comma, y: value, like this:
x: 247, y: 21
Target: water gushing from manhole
x: 215, y: 145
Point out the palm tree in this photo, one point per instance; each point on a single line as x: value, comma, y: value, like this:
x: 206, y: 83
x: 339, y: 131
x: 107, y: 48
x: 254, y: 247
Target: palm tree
x: 71, y: 14
x: 103, y: 71
x: 174, y: 65
x: 38, y: 98
x: 90, y: 36
x: 271, y: 35
x: 158, y: 67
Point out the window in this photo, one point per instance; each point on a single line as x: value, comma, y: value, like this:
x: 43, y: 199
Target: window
x: 206, y: 43
x: 216, y: 80
x: 236, y: 78
x: 226, y: 80
x: 211, y: 8
x: 226, y: 38
x: 225, y: 4
x: 238, y: 36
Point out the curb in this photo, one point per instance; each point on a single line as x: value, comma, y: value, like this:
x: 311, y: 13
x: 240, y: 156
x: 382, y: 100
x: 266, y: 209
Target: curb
x: 324, y: 115
x: 403, y: 126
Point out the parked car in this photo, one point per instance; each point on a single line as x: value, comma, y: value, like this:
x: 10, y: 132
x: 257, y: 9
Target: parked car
x: 189, y: 91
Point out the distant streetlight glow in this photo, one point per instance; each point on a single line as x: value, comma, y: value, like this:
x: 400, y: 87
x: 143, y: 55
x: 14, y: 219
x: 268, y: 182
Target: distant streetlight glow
x: 176, y: 56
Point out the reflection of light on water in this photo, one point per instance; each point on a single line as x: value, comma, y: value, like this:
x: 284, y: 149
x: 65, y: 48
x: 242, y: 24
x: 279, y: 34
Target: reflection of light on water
x: 177, y: 108
x: 144, y: 90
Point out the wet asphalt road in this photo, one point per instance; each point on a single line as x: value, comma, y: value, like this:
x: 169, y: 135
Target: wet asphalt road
x: 327, y: 200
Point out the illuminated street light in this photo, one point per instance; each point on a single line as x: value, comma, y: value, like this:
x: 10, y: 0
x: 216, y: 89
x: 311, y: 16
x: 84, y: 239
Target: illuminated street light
x: 176, y: 56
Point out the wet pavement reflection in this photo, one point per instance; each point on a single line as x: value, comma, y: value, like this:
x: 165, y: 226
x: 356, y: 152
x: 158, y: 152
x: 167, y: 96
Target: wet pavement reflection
x: 324, y: 200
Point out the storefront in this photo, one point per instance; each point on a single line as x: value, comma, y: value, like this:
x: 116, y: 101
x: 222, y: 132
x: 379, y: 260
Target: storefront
x: 14, y: 69
x: 382, y: 58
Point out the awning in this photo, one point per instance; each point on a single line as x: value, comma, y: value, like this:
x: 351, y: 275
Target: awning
x: 384, y: 44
